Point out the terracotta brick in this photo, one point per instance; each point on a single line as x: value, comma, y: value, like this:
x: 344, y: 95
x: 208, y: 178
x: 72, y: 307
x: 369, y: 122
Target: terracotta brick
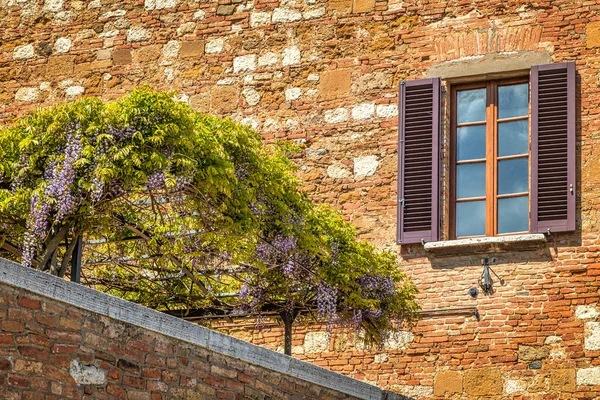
x: 60, y: 65
x: 363, y: 6
x: 11, y: 326
x: 335, y: 83
x: 28, y: 302
x: 193, y: 48
x: 121, y: 57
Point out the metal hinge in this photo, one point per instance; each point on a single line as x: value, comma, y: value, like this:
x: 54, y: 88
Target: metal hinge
x: 401, y: 202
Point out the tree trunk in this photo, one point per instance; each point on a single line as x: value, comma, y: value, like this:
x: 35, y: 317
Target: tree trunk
x: 288, y: 317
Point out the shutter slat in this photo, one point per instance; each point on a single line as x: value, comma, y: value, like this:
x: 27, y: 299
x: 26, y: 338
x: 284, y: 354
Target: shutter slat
x: 553, y: 147
x: 418, y: 133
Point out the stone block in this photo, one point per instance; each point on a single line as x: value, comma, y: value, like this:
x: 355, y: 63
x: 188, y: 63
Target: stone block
x: 60, y: 65
x: 343, y: 341
x: 592, y: 34
x: 147, y: 53
x: 251, y: 96
x: 588, y: 376
x: 87, y: 374
x: 336, y: 116
x: 285, y: 15
x: 194, y: 48
x: 483, y: 382
x: 290, y: 56
x: 338, y: 172
x: 121, y: 57
x: 363, y: 6
x: 316, y: 342
x: 225, y: 9
x: 27, y: 94
x: 447, y: 382
x: 592, y: 336
x: 138, y: 34
x: 340, y: 6
x: 531, y: 353
x: 244, y: 63
x: 371, y: 81
x: 563, y: 380
x: 223, y: 99
x: 365, y: 166
x: 586, y: 312
x: 335, y: 83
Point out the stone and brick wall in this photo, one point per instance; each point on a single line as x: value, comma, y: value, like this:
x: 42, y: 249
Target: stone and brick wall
x: 326, y: 73
x: 59, y: 340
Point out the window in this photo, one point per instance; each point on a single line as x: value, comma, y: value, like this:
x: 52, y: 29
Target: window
x: 490, y: 159
x: 512, y: 156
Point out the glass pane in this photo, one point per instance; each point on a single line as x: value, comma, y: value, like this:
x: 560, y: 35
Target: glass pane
x: 470, y: 180
x: 471, y: 105
x: 470, y: 218
x: 513, y: 214
x: 470, y: 142
x: 513, y: 176
x: 513, y: 100
x: 512, y: 138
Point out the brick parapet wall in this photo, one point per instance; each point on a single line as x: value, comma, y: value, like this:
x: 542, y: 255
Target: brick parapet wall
x: 59, y: 340
x: 327, y: 73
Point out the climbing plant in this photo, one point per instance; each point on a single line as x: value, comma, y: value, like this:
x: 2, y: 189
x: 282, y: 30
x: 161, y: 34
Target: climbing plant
x: 180, y: 210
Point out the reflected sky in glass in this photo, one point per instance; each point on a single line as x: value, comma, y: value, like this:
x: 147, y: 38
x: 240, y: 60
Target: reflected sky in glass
x: 470, y: 180
x: 470, y: 218
x: 513, y: 215
x: 513, y: 176
x: 471, y: 105
x: 470, y: 142
x: 512, y: 138
x: 513, y: 100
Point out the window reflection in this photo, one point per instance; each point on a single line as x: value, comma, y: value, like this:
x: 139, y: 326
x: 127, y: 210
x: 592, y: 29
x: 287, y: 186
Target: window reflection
x: 513, y: 176
x: 513, y: 138
x: 471, y: 105
x: 470, y: 180
x: 513, y: 215
x: 470, y: 142
x: 513, y: 100
x: 470, y: 218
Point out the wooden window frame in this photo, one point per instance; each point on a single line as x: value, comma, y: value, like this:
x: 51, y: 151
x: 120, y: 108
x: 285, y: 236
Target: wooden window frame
x: 491, y: 158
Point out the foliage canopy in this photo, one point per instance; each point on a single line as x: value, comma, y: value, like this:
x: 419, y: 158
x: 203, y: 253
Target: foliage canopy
x: 180, y: 210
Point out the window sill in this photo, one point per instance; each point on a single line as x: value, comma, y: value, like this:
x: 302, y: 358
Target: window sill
x: 486, y: 244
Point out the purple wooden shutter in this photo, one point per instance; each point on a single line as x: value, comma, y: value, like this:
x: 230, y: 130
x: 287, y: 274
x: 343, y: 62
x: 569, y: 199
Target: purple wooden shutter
x: 418, y: 161
x: 553, y: 148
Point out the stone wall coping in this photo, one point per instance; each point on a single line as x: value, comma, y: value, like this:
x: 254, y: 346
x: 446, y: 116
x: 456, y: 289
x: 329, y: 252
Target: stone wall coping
x: 512, y: 239
x: 88, y: 299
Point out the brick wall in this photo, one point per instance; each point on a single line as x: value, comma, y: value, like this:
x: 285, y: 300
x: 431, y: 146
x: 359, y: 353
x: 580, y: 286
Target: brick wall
x: 110, y: 349
x: 327, y: 73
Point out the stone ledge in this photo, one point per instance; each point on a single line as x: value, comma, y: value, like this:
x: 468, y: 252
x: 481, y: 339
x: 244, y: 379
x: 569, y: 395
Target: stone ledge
x: 88, y: 299
x: 487, y: 243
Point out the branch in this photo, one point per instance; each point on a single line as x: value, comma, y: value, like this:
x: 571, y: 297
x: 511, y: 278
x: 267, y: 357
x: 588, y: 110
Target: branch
x: 68, y: 255
x: 53, y: 245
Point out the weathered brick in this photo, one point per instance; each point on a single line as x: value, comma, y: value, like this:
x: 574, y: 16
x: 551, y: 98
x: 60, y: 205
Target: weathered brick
x: 28, y: 302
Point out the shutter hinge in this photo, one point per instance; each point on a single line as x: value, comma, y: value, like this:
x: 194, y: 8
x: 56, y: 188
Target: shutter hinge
x: 401, y: 202
x: 571, y: 188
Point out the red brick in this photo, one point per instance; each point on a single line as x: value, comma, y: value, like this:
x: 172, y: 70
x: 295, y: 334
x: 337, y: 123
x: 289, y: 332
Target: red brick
x: 11, y: 326
x: 28, y: 302
x: 17, y: 380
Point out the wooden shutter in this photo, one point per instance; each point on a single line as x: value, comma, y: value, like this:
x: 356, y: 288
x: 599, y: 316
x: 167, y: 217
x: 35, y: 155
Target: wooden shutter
x: 418, y: 161
x: 553, y: 148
